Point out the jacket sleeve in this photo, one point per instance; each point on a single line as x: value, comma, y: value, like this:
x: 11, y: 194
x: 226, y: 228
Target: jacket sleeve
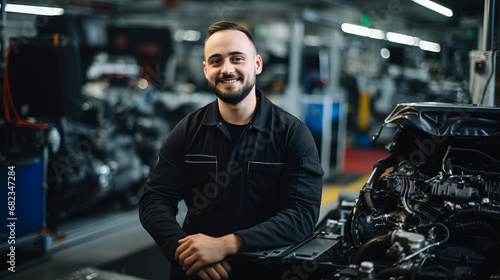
x: 162, y: 193
x: 300, y: 197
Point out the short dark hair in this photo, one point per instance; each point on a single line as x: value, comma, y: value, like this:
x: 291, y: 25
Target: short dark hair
x: 227, y: 25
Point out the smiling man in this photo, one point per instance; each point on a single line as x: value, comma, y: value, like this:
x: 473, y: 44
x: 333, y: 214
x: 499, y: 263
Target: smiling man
x: 248, y: 171
x: 231, y: 74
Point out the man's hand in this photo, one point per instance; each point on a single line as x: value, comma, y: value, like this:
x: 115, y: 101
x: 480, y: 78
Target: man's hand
x: 215, y: 272
x: 202, y: 254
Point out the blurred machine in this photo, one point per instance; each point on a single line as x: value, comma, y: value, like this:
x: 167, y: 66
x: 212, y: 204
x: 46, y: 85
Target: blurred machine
x: 95, y: 147
x: 483, y: 68
x: 483, y: 63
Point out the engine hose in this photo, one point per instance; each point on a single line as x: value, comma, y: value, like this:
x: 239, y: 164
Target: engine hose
x: 447, y: 231
x: 482, y: 217
x: 482, y: 213
x: 366, y: 198
x: 426, y: 228
x: 367, y: 190
x: 488, y: 230
x: 397, y: 271
x: 372, y: 249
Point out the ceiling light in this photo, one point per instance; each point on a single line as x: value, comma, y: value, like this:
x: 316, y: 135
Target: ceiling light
x: 391, y: 37
x: 187, y: 35
x: 34, y: 10
x: 429, y: 46
x: 435, y: 7
x: 362, y: 31
x: 400, y: 38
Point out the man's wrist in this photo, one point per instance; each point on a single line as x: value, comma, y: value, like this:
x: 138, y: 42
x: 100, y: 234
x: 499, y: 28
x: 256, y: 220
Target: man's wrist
x: 235, y: 243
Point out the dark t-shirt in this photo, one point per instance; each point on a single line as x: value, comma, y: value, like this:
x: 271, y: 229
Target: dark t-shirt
x: 235, y: 130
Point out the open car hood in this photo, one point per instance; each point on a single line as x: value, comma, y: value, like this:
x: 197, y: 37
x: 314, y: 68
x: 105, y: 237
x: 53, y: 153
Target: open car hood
x: 445, y: 119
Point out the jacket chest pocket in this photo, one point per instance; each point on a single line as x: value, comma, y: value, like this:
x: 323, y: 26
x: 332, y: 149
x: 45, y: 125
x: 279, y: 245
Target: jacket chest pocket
x: 201, y: 180
x: 263, y: 184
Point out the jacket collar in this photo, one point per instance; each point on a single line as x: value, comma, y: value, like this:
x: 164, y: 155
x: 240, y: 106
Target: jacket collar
x: 260, y: 121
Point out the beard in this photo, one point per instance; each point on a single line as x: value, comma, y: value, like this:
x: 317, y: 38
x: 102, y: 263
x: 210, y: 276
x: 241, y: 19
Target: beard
x: 231, y: 97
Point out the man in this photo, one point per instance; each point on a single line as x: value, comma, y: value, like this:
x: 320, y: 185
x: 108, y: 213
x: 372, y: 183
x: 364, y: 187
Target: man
x: 248, y: 171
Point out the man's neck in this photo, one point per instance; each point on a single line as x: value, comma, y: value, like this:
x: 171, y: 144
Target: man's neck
x: 240, y: 113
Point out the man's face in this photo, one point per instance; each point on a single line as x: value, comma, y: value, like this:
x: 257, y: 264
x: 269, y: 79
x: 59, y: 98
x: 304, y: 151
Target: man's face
x: 231, y: 65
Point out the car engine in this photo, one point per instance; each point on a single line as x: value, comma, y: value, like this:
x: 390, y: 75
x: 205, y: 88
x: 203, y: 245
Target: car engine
x: 430, y: 210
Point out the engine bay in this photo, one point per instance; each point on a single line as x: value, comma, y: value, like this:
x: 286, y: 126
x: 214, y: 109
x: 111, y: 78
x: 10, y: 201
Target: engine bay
x: 430, y: 210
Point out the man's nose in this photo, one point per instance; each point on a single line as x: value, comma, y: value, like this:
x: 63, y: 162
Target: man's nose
x: 227, y: 68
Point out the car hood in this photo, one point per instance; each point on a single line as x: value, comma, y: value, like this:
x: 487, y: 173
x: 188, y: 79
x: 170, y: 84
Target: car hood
x: 445, y: 119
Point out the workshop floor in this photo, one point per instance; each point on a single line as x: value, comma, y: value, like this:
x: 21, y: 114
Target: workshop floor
x: 112, y: 240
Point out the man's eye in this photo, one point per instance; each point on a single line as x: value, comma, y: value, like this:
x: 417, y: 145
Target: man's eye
x: 215, y: 61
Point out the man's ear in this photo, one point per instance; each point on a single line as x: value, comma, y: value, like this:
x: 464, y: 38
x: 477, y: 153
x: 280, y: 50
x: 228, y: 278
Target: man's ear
x: 258, y: 64
x: 205, y: 69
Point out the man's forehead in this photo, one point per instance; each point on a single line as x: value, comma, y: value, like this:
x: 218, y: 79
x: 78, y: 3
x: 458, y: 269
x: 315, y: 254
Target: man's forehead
x: 227, y: 34
x: 231, y: 41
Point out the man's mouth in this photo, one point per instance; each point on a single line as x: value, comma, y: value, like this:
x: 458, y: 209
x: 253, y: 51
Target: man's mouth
x: 229, y: 81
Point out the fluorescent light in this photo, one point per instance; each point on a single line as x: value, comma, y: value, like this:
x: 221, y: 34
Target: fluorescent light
x: 390, y: 36
x: 435, y: 7
x: 429, y: 46
x: 376, y: 34
x: 187, y: 35
x: 400, y: 38
x: 34, y: 10
x: 362, y: 31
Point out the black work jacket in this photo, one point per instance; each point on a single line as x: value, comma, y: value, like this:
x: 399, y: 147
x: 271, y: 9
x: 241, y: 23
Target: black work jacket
x: 266, y: 187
